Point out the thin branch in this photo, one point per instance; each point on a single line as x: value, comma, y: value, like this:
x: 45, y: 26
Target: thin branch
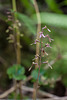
x: 27, y: 89
x: 40, y: 93
x: 6, y: 93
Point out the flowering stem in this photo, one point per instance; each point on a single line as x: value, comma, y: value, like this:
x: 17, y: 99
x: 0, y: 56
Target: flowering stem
x: 36, y: 84
x: 16, y: 29
x: 38, y: 28
x: 37, y: 44
x: 18, y: 51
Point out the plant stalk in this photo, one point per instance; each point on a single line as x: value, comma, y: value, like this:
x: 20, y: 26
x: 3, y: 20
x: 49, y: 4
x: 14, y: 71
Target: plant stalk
x: 38, y: 28
x: 37, y: 47
x: 17, y: 32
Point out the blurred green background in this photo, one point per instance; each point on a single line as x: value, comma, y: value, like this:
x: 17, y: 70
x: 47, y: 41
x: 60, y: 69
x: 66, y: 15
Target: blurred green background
x: 53, y: 14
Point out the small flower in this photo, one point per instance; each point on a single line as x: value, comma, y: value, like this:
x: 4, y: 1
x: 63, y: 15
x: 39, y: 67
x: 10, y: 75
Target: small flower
x: 36, y: 57
x: 10, y: 28
x: 45, y: 62
x: 9, y: 19
x: 30, y: 68
x: 43, y: 52
x: 35, y: 42
x: 49, y: 65
x: 46, y: 53
x: 8, y: 12
x: 9, y: 16
x: 49, y: 38
x: 41, y: 35
x: 48, y: 45
x: 46, y: 28
x: 34, y: 63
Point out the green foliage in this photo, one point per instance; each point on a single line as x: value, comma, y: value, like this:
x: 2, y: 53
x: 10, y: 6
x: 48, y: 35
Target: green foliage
x: 32, y: 1
x: 34, y: 74
x: 18, y: 97
x: 28, y: 22
x: 64, y: 80
x: 59, y: 70
x: 53, y: 6
x: 58, y: 20
x: 16, y: 72
x: 63, y: 3
x: 27, y: 5
x: 52, y: 19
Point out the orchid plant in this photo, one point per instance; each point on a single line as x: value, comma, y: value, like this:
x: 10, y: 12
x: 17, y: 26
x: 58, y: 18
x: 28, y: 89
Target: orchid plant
x: 42, y: 51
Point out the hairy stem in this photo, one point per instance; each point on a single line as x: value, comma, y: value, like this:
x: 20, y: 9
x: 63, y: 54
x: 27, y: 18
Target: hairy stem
x: 16, y: 28
x: 37, y: 47
x: 18, y: 51
x: 38, y: 28
x: 36, y: 83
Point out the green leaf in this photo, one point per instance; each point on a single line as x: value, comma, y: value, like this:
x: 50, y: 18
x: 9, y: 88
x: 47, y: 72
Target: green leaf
x: 42, y: 71
x: 64, y: 2
x: 64, y: 80
x: 32, y: 1
x: 34, y: 73
x: 27, y: 4
x: 28, y: 22
x: 24, y: 77
x: 19, y: 77
x: 16, y: 72
x: 65, y: 55
x: 53, y: 6
x: 58, y: 20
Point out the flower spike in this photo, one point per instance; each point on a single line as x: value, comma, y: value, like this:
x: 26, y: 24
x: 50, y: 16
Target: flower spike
x: 41, y: 35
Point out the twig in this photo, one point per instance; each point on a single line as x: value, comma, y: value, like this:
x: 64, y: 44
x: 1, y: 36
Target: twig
x: 6, y: 93
x: 57, y: 98
x: 25, y: 88
x: 40, y: 93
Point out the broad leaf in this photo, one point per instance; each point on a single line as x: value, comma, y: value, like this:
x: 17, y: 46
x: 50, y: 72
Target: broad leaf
x: 58, y: 20
x: 16, y: 72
